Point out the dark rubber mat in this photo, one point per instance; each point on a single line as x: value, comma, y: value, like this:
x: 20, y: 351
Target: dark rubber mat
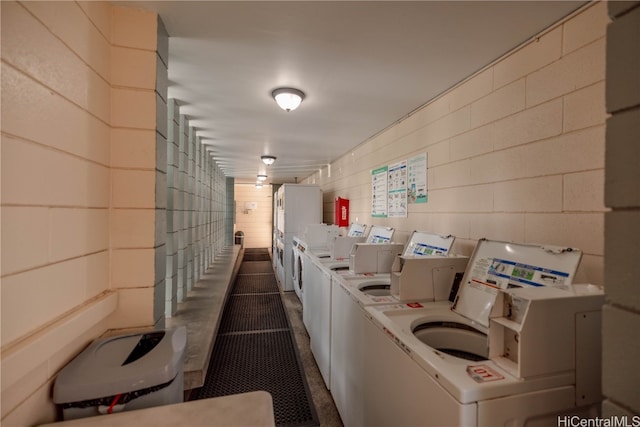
x: 255, y: 284
x: 256, y: 250
x: 256, y: 257
x: 254, y: 267
x: 255, y: 349
x: 261, y: 361
x: 244, y: 313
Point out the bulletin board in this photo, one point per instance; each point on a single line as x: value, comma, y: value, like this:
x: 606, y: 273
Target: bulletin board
x: 395, y: 186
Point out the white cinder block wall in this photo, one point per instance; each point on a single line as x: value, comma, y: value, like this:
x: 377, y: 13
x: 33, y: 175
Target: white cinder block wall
x: 621, y: 318
x: 255, y: 224
x: 515, y: 152
x: 195, y: 208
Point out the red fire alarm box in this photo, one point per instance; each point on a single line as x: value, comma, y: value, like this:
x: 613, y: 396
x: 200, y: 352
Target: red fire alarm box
x: 342, y: 212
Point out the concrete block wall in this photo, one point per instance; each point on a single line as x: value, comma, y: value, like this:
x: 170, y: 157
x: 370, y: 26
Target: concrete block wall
x: 195, y: 191
x: 515, y: 152
x: 90, y: 180
x: 138, y: 188
x: 621, y: 317
x: 228, y: 220
x: 173, y: 128
x: 79, y: 190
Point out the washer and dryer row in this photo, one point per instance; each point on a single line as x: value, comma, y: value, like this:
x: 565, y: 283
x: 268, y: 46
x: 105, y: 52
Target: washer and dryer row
x: 352, y: 293
x: 317, y: 277
x: 369, y: 269
x: 520, y: 345
x: 318, y: 240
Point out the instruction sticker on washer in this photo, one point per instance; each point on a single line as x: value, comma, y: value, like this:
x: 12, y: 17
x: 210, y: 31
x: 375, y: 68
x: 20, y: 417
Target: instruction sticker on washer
x: 422, y: 249
x: 483, y: 373
x: 526, y: 274
x: 499, y: 273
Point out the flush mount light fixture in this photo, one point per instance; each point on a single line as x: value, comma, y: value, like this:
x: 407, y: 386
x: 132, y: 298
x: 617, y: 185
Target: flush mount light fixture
x: 258, y: 185
x: 262, y: 178
x: 288, y: 98
x: 268, y: 160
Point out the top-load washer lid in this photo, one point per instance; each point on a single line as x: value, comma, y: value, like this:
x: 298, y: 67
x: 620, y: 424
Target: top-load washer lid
x: 319, y: 235
x: 356, y: 230
x: 422, y: 243
x: 379, y: 234
x: 498, y: 265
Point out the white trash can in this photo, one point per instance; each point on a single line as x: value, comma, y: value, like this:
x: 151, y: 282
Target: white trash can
x: 123, y: 373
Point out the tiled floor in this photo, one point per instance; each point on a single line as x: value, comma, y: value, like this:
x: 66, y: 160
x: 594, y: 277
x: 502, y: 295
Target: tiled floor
x: 327, y: 412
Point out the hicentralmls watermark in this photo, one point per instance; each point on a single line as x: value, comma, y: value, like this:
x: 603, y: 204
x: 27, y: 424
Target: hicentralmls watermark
x: 615, y: 421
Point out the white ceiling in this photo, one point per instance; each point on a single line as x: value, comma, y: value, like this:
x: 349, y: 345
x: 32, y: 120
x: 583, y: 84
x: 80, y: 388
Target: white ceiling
x: 363, y: 65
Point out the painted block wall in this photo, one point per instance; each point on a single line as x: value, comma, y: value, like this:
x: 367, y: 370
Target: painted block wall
x: 56, y: 194
x: 195, y: 208
x: 79, y: 94
x: 85, y: 189
x: 515, y: 152
x: 257, y: 223
x: 138, y: 184
x: 621, y: 316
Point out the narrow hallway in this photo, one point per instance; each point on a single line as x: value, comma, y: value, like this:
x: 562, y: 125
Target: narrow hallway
x: 255, y: 349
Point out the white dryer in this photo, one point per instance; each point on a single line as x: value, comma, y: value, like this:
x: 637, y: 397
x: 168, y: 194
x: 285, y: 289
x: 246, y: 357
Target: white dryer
x: 298, y: 249
x: 518, y: 347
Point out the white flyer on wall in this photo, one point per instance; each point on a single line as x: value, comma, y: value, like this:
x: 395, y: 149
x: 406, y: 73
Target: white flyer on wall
x: 417, y: 179
x: 398, y: 190
x: 379, y: 192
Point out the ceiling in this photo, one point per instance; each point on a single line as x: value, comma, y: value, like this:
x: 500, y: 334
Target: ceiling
x: 363, y: 65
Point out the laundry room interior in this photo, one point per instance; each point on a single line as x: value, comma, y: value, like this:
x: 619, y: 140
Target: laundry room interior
x: 434, y: 233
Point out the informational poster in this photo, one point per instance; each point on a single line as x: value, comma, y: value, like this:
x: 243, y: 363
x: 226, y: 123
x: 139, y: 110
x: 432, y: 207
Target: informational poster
x: 397, y: 199
x: 417, y: 179
x: 379, y: 192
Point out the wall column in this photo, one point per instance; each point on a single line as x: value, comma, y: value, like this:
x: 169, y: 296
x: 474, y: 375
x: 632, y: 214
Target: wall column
x: 621, y: 314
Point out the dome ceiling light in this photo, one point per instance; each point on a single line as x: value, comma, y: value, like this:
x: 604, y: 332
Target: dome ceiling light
x: 268, y: 160
x: 288, y: 98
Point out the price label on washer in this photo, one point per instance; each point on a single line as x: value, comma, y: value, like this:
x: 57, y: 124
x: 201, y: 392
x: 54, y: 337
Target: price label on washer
x: 483, y: 373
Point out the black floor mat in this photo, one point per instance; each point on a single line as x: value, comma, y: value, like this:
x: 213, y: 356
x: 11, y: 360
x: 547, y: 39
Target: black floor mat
x: 255, y: 349
x: 255, y: 267
x: 256, y: 250
x: 255, y: 284
x: 253, y: 312
x: 261, y: 361
x: 256, y: 256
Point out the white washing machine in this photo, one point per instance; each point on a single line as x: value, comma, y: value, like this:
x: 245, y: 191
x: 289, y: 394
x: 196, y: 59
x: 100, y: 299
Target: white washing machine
x: 520, y: 346
x: 317, y: 298
x: 314, y: 240
x: 351, y: 293
x: 316, y: 314
x: 419, y: 245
